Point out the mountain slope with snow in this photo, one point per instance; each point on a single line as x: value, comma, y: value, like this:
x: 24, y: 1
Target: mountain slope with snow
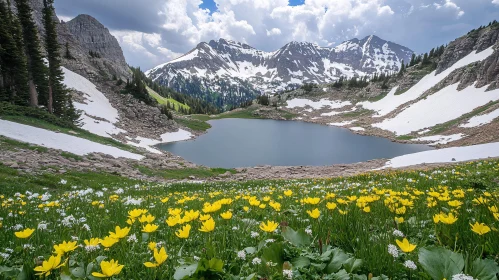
x: 233, y: 69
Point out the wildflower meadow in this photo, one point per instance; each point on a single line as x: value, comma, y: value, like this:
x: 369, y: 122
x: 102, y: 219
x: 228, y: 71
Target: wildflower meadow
x: 434, y: 224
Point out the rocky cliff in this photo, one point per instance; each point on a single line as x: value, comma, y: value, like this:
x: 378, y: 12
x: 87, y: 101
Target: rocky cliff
x: 82, y: 35
x: 94, y: 38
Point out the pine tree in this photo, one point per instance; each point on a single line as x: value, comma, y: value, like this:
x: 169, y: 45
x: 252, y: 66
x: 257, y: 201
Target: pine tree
x: 402, y: 68
x: 59, y: 101
x: 413, y: 60
x: 37, y: 79
x: 67, y: 53
x: 14, y: 73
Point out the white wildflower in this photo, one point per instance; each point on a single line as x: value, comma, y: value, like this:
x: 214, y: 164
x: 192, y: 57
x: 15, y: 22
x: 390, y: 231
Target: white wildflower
x: 287, y: 273
x: 410, y: 265
x: 254, y: 234
x: 398, y: 233
x: 270, y: 240
x: 271, y: 264
x: 392, y: 250
x: 462, y: 276
x: 241, y: 255
x: 308, y: 231
x: 196, y: 258
x: 4, y: 255
x: 132, y: 238
x: 86, y: 227
x: 256, y: 261
x: 42, y: 226
x: 63, y: 182
x: 18, y: 227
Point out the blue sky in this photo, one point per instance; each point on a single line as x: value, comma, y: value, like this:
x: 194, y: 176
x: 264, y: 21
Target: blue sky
x: 152, y: 32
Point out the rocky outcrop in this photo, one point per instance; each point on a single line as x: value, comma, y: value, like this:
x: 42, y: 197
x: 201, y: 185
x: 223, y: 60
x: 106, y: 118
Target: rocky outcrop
x: 94, y: 38
x: 476, y: 40
x: 79, y: 40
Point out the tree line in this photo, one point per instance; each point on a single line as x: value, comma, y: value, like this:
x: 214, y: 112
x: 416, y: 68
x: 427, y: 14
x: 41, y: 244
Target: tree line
x: 28, y: 78
x: 197, y: 106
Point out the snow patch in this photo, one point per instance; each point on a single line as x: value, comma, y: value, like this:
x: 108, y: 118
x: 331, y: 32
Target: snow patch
x: 392, y: 101
x: 459, y: 154
x: 60, y: 141
x: 97, y: 105
x: 168, y: 137
x: 357, y: 128
x: 441, y: 139
x: 445, y: 105
x: 477, y: 121
x: 345, y: 123
x: 316, y: 105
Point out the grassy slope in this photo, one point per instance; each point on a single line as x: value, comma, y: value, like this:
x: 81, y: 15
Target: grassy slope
x: 162, y: 100
x: 77, y: 132
x: 246, y: 113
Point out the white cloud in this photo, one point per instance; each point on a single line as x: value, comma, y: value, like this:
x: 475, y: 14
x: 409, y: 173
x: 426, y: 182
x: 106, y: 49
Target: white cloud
x: 274, y: 32
x: 452, y: 6
x: 270, y: 24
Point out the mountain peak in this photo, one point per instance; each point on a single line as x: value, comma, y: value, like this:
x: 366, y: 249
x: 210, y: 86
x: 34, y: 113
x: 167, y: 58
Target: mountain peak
x: 242, y: 68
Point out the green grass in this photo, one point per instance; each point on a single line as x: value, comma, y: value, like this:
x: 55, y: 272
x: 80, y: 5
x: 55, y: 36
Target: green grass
x: 81, y: 133
x: 246, y: 113
x: 401, y: 91
x: 71, y: 156
x: 378, y: 98
x: 11, y: 144
x: 445, y: 126
x: 11, y: 180
x: 353, y: 218
x: 162, y: 100
x: 405, y: 137
x: 357, y: 113
x: 194, y: 124
x: 185, y: 173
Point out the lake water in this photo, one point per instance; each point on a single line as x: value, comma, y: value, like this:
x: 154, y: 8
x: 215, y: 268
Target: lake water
x: 244, y: 143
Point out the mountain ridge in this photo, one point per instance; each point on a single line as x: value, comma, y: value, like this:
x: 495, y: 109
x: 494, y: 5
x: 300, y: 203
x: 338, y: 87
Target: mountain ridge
x: 209, y: 65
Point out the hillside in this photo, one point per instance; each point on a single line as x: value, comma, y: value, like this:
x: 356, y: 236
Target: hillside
x: 452, y: 99
x: 228, y: 73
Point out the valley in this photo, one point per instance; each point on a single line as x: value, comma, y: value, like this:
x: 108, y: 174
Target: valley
x: 304, y: 157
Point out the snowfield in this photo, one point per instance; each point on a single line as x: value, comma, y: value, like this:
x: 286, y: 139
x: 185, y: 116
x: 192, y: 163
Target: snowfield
x: 60, y: 141
x: 441, y: 139
x: 342, y: 123
x: 482, y: 119
x: 445, y: 105
x: 97, y: 105
x: 392, y: 101
x: 316, y: 105
x: 455, y: 154
x: 168, y: 137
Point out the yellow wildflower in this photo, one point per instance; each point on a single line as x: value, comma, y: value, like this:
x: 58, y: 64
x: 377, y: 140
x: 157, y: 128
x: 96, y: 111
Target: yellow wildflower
x: 46, y: 268
x: 208, y: 226
x: 149, y: 228
x: 405, y: 246
x: 159, y: 256
x: 314, y: 214
x: 226, y: 215
x: 184, y: 232
x: 109, y: 269
x: 269, y: 227
x: 24, y: 233
x: 480, y: 228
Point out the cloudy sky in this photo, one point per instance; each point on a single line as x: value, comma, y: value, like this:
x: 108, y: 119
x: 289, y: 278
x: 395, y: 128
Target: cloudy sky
x: 156, y: 31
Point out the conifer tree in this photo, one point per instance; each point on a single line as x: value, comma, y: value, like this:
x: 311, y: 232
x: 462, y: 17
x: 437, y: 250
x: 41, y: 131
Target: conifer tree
x: 402, y: 68
x: 14, y: 73
x: 59, y: 97
x: 37, y: 79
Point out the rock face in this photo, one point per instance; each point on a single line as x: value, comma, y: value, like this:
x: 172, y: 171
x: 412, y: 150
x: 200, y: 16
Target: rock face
x: 78, y: 34
x: 96, y: 38
x: 476, y: 40
x: 225, y: 66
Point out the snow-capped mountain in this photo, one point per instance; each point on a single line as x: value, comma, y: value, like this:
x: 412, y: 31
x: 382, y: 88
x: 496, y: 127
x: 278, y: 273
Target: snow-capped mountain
x: 235, y: 70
